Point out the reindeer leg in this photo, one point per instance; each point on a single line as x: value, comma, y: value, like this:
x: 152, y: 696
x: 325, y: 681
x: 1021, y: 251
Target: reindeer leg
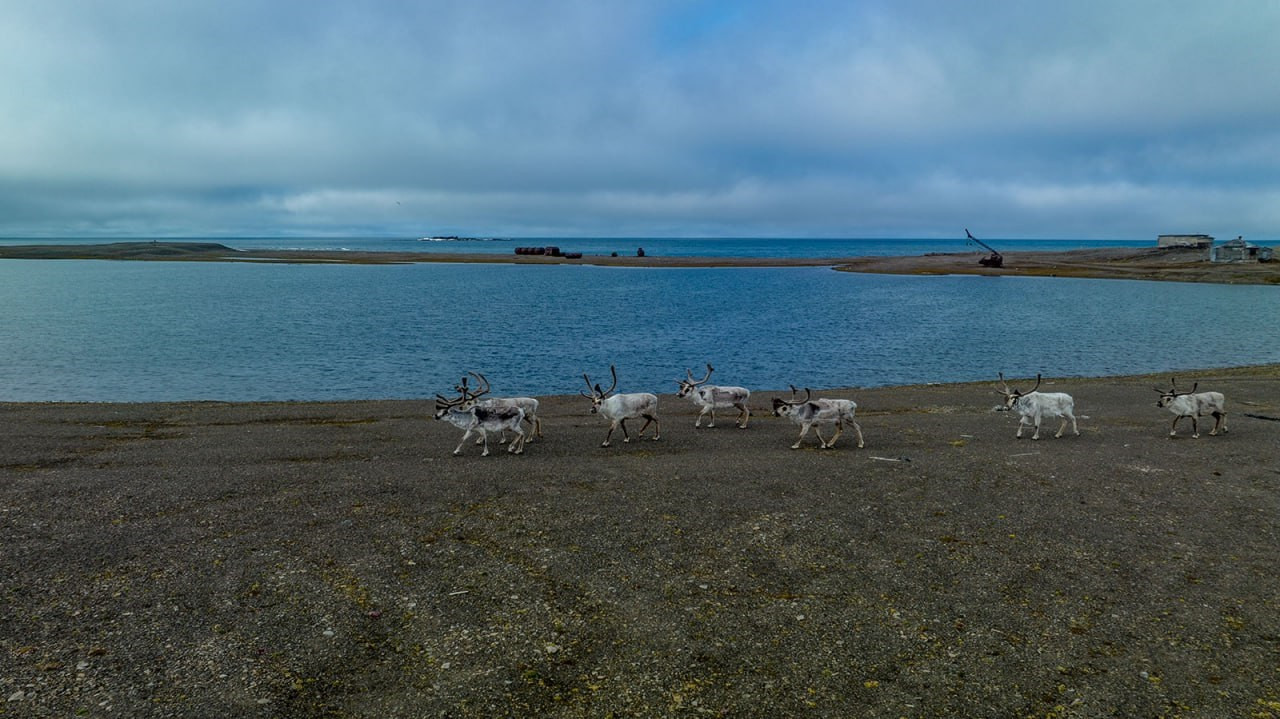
x: 517, y: 444
x: 1195, y: 428
x: 625, y: 437
x: 648, y: 418
x: 834, y: 437
x: 712, y: 423
x: 1022, y: 422
x: 1061, y: 429
x: 458, y: 449
x: 1219, y: 420
x: 612, y: 426
x: 804, y: 429
x: 485, y: 436
x: 698, y: 422
x: 1036, y: 434
x: 858, y: 431
x: 744, y: 416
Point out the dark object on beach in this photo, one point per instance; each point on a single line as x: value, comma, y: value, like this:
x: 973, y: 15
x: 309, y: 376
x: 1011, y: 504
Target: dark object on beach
x: 640, y: 252
x: 549, y: 250
x: 995, y: 259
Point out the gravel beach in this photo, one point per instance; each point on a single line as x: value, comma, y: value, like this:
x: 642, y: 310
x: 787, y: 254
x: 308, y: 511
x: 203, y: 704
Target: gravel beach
x: 335, y: 560
x: 1171, y: 264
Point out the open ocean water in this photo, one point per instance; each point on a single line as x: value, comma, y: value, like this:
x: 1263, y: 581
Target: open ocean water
x: 156, y: 331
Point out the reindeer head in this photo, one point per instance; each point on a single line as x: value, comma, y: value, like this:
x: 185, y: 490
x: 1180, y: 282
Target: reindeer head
x: 782, y: 407
x: 1011, y: 396
x: 598, y: 395
x: 689, y: 385
x: 1167, y: 396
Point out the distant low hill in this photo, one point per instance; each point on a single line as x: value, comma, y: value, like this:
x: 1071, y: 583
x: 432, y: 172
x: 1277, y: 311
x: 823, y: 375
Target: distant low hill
x: 118, y: 251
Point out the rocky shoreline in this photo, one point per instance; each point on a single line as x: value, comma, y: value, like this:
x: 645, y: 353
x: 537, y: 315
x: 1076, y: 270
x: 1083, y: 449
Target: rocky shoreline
x: 334, y: 559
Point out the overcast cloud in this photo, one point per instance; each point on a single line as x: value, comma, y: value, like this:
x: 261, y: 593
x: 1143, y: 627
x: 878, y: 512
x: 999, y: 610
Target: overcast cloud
x: 680, y: 118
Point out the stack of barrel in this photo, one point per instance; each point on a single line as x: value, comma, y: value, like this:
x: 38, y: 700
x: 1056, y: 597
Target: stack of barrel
x: 550, y: 250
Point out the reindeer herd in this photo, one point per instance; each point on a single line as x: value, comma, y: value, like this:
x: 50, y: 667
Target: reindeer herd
x: 474, y: 413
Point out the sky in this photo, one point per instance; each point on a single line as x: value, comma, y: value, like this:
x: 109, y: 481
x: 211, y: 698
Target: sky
x: 640, y: 118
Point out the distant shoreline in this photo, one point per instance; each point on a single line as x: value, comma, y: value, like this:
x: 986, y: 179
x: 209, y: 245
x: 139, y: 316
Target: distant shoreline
x: 1163, y: 264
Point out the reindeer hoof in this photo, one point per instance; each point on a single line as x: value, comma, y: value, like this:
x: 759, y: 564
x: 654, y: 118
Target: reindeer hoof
x: 655, y: 438
x: 711, y: 425
x: 795, y: 446
x: 457, y: 452
x: 604, y: 444
x: 484, y: 453
x: 1195, y: 436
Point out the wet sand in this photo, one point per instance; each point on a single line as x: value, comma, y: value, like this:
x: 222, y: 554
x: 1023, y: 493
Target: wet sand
x: 335, y: 559
x: 1179, y: 265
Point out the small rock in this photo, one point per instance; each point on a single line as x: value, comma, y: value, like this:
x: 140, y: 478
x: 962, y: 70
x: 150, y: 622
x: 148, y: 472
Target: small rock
x: 17, y: 696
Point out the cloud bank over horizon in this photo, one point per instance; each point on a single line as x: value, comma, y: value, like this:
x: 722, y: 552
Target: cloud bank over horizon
x: 668, y: 118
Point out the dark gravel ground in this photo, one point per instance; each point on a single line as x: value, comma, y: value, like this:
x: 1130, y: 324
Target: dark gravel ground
x: 333, y: 559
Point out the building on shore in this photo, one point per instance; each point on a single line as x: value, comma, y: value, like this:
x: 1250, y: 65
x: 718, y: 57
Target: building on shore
x: 1197, y: 241
x: 1238, y: 250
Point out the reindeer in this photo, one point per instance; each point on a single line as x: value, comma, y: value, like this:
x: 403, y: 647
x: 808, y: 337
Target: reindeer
x: 709, y: 397
x: 810, y: 412
x: 528, y: 404
x: 466, y: 415
x: 618, y: 408
x: 1192, y: 404
x: 1032, y: 406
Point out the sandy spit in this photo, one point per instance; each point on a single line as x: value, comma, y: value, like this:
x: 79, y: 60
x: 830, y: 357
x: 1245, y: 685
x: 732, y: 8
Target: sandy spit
x: 1172, y: 264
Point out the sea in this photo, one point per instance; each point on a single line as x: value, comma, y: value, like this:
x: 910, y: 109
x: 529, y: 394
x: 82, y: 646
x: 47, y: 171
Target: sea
x: 116, y: 331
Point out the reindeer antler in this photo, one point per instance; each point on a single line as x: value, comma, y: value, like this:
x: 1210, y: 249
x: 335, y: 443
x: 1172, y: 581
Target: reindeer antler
x: 613, y: 372
x: 792, y: 401
x: 484, y: 383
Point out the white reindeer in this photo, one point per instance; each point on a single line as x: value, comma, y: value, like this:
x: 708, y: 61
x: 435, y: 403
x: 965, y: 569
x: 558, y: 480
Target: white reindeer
x: 1192, y: 404
x: 1033, y: 406
x: 528, y: 404
x: 710, y: 397
x: 472, y: 417
x: 814, y: 413
x: 618, y: 408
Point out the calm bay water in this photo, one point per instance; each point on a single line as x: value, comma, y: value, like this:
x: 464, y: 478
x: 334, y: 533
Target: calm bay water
x: 665, y: 246
x: 152, y: 331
